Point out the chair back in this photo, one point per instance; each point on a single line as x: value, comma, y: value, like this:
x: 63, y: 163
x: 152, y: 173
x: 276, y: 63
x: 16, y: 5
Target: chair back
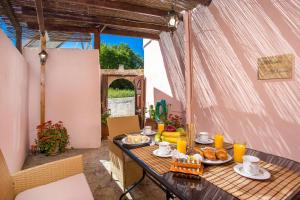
x: 122, y: 125
x: 6, y: 181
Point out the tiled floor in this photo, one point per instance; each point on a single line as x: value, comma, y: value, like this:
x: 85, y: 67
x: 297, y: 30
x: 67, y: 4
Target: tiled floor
x: 95, y: 164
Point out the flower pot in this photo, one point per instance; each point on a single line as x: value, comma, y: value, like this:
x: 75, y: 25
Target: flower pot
x: 54, y: 151
x: 152, y: 123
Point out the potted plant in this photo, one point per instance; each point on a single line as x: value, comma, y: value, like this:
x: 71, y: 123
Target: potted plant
x: 52, y: 138
x: 104, y: 128
x: 151, y: 120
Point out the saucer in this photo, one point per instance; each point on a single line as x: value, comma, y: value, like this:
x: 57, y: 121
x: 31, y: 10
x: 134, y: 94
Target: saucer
x: 152, y: 133
x: 209, y: 141
x: 263, y: 174
x: 156, y: 153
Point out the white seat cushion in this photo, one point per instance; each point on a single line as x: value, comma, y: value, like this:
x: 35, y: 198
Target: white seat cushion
x: 71, y: 188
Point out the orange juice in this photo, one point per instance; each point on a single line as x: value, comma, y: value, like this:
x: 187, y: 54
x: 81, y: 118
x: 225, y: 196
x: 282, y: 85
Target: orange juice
x: 160, y: 127
x: 181, y: 145
x: 219, y: 140
x: 238, y: 152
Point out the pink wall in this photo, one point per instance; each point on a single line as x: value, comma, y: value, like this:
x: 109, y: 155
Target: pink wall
x: 72, y: 93
x: 13, y: 104
x: 157, y: 82
x: 228, y: 38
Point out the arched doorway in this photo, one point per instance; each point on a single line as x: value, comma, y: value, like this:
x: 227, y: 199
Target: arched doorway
x: 121, y: 98
x: 136, y: 77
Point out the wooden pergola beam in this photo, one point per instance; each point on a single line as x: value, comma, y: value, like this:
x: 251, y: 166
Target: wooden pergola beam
x: 131, y: 33
x: 40, y: 16
x: 120, y: 6
x: 107, y: 30
x: 64, y: 28
x: 52, y: 15
x: 9, y: 12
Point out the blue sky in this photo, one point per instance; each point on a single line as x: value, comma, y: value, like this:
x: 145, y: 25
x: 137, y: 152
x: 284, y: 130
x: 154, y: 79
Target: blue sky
x: 136, y: 44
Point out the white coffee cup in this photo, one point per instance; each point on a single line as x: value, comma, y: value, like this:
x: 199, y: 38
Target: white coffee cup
x: 250, y: 164
x: 164, y: 148
x: 202, y: 136
x: 147, y: 130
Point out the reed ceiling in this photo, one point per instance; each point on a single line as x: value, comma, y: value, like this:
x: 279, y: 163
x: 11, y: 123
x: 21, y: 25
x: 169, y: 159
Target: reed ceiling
x: 76, y: 19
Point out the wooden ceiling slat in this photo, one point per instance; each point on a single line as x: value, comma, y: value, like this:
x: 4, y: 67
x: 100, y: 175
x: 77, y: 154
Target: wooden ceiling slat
x: 123, y: 6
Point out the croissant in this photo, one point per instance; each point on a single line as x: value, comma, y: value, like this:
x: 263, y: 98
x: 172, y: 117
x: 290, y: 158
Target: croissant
x: 200, y: 152
x: 221, y: 154
x: 209, y: 154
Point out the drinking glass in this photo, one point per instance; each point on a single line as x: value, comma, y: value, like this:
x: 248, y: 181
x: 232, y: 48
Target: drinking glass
x: 219, y: 140
x: 160, y: 127
x: 239, y: 150
x: 181, y: 145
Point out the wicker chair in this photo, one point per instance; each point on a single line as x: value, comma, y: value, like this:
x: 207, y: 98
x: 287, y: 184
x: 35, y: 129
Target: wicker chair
x: 122, y: 167
x: 11, y: 186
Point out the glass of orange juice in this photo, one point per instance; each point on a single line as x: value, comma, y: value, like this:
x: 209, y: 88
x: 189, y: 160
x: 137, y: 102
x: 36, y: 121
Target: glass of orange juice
x: 239, y: 150
x: 160, y: 127
x: 181, y: 145
x: 219, y: 140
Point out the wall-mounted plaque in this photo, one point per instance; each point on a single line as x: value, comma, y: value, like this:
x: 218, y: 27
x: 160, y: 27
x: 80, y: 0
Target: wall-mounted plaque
x: 275, y: 67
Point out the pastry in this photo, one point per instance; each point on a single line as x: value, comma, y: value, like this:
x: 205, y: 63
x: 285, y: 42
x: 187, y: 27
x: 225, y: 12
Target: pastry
x: 209, y: 154
x: 221, y: 154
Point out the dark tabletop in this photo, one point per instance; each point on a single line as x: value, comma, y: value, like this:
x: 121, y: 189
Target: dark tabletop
x: 190, y: 189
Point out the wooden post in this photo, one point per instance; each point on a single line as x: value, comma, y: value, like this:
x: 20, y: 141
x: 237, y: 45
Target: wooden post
x: 42, y: 83
x: 97, y: 40
x: 188, y: 78
x: 188, y: 65
x: 19, y: 39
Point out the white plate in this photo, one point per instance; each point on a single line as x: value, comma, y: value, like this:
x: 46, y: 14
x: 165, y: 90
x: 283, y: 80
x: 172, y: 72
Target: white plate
x: 125, y: 141
x: 209, y: 141
x: 217, y: 162
x: 152, y: 133
x: 263, y: 174
x: 155, y: 152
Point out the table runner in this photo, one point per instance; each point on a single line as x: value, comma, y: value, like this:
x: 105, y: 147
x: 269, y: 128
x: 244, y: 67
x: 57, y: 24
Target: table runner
x: 281, y: 185
x: 159, y: 165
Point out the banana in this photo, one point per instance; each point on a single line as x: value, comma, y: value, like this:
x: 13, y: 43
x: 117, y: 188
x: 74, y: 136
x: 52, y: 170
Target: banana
x: 169, y: 139
x: 172, y: 134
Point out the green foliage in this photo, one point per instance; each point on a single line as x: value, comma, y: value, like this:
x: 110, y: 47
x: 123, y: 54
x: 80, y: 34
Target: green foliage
x: 52, y: 138
x: 112, y: 56
x: 151, y: 112
x: 104, y: 116
x: 122, y: 84
x: 116, y: 93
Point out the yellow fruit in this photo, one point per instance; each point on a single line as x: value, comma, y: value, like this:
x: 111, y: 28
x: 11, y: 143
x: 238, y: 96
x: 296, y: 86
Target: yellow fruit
x: 172, y: 134
x: 157, y: 137
x: 170, y: 139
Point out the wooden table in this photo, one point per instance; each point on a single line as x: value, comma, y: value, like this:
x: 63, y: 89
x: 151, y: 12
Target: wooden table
x: 189, y: 189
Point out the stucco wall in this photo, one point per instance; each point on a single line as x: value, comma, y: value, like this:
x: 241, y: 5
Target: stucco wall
x: 157, y: 81
x: 72, y: 93
x: 13, y: 104
x: 121, y: 106
x: 227, y: 39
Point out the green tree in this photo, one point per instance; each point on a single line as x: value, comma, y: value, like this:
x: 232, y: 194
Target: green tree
x: 112, y: 56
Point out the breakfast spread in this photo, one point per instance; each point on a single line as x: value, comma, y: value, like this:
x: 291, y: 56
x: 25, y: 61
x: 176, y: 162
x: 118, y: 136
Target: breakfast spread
x: 136, y: 139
